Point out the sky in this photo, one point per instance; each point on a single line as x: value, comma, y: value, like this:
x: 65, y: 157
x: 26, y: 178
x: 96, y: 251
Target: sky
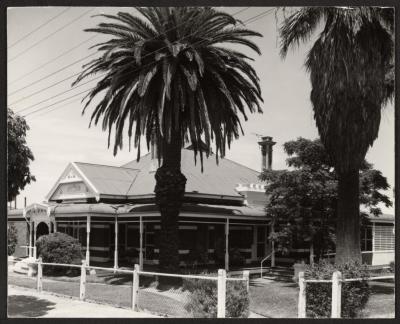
x: 59, y: 133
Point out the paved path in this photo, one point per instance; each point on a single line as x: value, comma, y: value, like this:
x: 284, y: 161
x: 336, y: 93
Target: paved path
x: 23, y: 302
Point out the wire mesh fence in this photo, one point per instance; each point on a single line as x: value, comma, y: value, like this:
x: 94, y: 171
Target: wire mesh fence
x: 109, y: 287
x: 169, y: 295
x: 59, y: 280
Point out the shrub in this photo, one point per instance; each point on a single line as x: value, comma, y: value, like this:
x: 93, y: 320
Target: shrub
x: 12, y: 239
x: 392, y: 267
x: 203, y: 298
x: 355, y: 294
x: 59, y: 248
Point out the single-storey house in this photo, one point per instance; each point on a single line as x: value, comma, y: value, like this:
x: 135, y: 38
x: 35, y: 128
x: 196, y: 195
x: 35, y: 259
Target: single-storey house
x: 111, y: 211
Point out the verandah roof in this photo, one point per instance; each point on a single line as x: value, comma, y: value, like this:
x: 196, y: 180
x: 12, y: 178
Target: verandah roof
x: 116, y: 210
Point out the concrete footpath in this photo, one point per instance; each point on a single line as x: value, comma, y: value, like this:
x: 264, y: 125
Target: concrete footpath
x: 23, y: 302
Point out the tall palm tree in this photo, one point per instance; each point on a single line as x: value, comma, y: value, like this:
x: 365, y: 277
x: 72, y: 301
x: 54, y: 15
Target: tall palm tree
x: 352, y: 78
x: 168, y: 78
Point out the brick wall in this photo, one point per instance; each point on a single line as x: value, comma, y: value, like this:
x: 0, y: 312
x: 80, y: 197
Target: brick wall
x: 23, y: 237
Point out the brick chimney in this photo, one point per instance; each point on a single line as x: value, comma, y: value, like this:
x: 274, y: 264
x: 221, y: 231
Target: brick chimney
x: 266, y: 145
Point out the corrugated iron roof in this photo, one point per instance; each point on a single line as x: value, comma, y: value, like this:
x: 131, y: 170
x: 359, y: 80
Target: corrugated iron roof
x: 109, y: 180
x: 220, y: 179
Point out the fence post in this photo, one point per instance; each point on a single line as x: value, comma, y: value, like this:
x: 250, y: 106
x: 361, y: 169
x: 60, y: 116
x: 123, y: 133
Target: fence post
x: 82, y: 286
x: 336, y: 294
x: 39, y: 277
x: 301, y: 311
x: 34, y: 252
x: 135, y: 287
x: 221, y: 293
x: 246, y: 277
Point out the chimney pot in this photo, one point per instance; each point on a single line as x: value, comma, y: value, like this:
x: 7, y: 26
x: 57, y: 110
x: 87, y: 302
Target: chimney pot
x: 266, y: 145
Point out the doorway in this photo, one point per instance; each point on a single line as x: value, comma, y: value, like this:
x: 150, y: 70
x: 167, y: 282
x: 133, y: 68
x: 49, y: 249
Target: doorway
x: 42, y: 229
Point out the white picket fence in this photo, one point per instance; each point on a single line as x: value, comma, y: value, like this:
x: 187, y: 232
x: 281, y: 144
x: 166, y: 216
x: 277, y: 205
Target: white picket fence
x: 336, y: 281
x: 221, y: 279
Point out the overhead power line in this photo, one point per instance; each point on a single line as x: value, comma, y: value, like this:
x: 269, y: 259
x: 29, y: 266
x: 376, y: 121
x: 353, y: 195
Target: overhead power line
x: 58, y: 94
x: 55, y: 108
x: 51, y: 74
x: 37, y: 28
x: 49, y: 35
x: 62, y: 100
x: 52, y: 60
x: 77, y: 61
x: 247, y: 21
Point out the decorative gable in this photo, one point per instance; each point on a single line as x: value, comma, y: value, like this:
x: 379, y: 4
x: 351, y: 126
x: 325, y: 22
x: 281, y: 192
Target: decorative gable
x: 71, y: 186
x: 71, y: 176
x: 72, y: 190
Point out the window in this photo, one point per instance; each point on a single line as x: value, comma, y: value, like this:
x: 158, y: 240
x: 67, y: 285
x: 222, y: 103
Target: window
x: 384, y: 237
x: 366, y: 238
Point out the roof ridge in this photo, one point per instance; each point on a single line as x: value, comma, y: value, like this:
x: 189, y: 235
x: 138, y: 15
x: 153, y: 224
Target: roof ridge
x: 110, y: 166
x: 242, y: 165
x: 135, y: 160
x: 224, y: 158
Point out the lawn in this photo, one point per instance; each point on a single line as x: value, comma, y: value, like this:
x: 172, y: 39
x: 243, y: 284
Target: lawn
x: 279, y: 299
x: 270, y: 299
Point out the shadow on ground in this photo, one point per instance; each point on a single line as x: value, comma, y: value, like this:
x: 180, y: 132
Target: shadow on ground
x: 28, y: 306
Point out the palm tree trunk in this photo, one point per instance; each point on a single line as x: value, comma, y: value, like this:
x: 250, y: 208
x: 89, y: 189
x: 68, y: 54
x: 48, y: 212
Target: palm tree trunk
x: 169, y: 191
x: 348, y: 220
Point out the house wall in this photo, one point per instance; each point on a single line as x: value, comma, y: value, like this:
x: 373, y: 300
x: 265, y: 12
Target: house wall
x: 22, y: 236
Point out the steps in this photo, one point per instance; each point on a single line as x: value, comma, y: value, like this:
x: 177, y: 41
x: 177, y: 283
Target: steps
x: 277, y: 273
x: 283, y: 274
x: 22, y: 267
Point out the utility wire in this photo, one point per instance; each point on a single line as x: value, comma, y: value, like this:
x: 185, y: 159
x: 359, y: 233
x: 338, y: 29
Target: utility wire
x: 73, y: 63
x: 52, y: 60
x: 37, y: 28
x: 53, y: 109
x: 59, y: 94
x: 62, y: 100
x: 55, y: 72
x: 49, y: 35
x: 247, y: 21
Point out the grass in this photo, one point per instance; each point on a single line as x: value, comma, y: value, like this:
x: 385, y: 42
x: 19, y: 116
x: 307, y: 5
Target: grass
x: 273, y: 299
x: 270, y: 299
x: 279, y: 300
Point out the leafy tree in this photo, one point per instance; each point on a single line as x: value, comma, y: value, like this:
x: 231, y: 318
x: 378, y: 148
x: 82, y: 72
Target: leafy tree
x: 19, y: 155
x: 12, y: 239
x: 351, y: 65
x: 167, y: 77
x: 303, y: 199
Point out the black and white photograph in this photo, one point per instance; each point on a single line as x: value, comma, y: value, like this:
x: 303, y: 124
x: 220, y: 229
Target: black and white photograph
x: 200, y: 162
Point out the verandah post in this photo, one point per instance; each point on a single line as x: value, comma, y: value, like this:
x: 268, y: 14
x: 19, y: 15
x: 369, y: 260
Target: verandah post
x: 301, y: 311
x: 88, y: 240
x: 82, y: 286
x: 135, y: 287
x: 116, y: 243
x: 246, y: 277
x: 227, y: 245
x: 39, y: 277
x: 30, y: 240
x: 336, y: 294
x: 221, y: 295
x: 141, y: 243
